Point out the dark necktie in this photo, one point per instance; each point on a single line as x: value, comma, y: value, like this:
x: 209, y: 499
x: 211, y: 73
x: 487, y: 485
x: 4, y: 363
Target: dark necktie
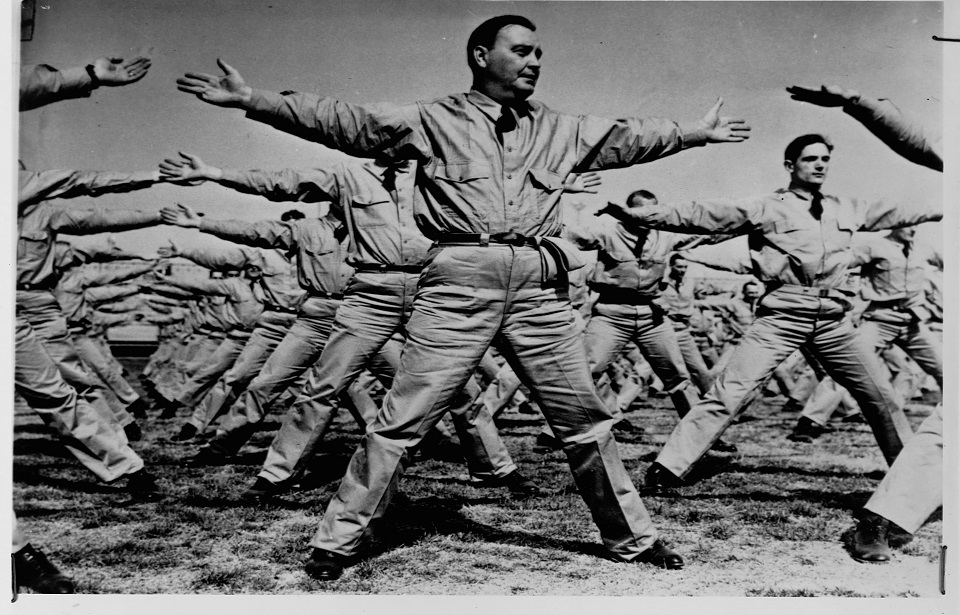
x: 390, y: 182
x: 816, y: 205
x: 505, y: 123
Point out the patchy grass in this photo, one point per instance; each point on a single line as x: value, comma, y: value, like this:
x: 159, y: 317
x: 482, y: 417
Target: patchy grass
x: 766, y: 522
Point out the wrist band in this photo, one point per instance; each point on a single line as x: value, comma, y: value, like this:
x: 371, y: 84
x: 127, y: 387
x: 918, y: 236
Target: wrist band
x: 94, y: 80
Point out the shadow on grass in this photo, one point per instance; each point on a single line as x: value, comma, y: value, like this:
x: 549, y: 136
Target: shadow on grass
x: 408, y: 522
x: 30, y: 478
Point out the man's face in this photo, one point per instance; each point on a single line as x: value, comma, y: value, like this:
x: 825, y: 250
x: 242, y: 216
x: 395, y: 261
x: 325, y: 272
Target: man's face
x: 253, y: 272
x: 679, y: 267
x: 513, y: 63
x: 751, y: 292
x: 810, y: 169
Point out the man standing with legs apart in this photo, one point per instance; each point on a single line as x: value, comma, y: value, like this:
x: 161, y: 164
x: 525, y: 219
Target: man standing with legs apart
x: 491, y: 170
x: 800, y: 244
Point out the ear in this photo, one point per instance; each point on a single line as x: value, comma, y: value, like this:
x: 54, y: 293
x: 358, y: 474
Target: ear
x: 480, y: 54
x: 788, y: 165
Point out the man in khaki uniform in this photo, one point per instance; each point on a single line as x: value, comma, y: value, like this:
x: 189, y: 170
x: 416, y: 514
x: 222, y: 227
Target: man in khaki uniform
x: 800, y: 246
x: 386, y: 250
x: 913, y: 488
x: 491, y: 171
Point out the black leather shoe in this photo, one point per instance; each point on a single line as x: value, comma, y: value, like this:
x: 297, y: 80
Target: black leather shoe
x: 187, y: 432
x: 138, y: 408
x: 142, y: 486
x: 626, y: 427
x: 208, y: 456
x: 262, y: 491
x: 170, y: 409
x: 659, y: 480
x: 133, y: 431
x: 546, y: 444
x: 325, y: 566
x: 792, y: 405
x: 517, y: 483
x: 870, y: 540
x: 722, y: 446
x: 661, y: 556
x: 32, y: 569
x: 806, y: 431
x: 526, y: 408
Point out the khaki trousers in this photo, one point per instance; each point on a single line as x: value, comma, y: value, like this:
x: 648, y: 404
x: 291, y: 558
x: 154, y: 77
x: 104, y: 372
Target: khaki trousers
x: 467, y: 296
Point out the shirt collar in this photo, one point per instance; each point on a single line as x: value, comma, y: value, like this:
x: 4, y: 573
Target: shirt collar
x: 492, y: 108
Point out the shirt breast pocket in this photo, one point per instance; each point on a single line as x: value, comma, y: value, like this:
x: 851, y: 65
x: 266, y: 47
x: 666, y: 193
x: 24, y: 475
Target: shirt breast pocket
x: 372, y: 210
x: 467, y: 190
x: 548, y: 186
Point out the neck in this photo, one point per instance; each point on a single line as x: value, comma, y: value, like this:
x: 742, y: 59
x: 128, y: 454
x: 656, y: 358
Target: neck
x: 498, y: 93
x: 804, y: 188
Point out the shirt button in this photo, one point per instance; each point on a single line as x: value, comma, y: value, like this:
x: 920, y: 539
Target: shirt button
x: 510, y: 203
x: 510, y: 149
x: 509, y: 176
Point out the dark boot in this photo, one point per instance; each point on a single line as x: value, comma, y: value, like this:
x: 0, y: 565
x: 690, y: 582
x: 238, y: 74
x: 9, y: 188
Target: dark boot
x: 32, y: 569
x: 806, y: 431
x: 870, y: 540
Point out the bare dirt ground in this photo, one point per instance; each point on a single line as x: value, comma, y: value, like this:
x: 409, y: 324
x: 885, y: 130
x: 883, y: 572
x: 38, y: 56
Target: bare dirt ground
x: 766, y: 522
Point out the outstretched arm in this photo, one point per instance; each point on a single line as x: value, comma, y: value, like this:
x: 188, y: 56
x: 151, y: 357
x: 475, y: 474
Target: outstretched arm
x: 367, y: 132
x: 269, y: 234
x: 41, y: 84
x: 879, y: 116
x: 310, y: 186
x: 44, y: 185
x: 696, y: 217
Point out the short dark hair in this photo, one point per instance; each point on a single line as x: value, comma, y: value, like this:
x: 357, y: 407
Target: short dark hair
x: 675, y: 257
x: 797, y: 146
x: 640, y: 194
x: 743, y: 290
x: 485, y: 35
x: 292, y: 214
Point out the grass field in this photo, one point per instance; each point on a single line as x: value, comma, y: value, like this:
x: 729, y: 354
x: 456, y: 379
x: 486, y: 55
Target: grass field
x: 766, y: 522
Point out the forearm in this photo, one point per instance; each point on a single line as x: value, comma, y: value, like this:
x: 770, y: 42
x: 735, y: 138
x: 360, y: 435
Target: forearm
x: 41, y: 85
x: 44, y: 185
x: 98, y: 220
x: 887, y: 122
x: 263, y: 234
x: 283, y: 186
x: 104, y: 294
x: 112, y: 277
x: 217, y: 259
x: 696, y: 217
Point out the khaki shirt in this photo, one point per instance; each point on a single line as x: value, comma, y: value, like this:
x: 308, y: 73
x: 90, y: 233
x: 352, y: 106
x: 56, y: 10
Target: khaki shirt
x: 787, y: 244
x: 627, y: 259
x: 38, y: 226
x: 887, y: 274
x: 320, y: 257
x: 472, y: 179
x: 380, y: 225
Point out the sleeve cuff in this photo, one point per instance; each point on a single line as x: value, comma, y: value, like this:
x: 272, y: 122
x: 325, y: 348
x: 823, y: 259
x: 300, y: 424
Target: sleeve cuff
x: 692, y: 134
x: 76, y: 78
x: 262, y: 101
